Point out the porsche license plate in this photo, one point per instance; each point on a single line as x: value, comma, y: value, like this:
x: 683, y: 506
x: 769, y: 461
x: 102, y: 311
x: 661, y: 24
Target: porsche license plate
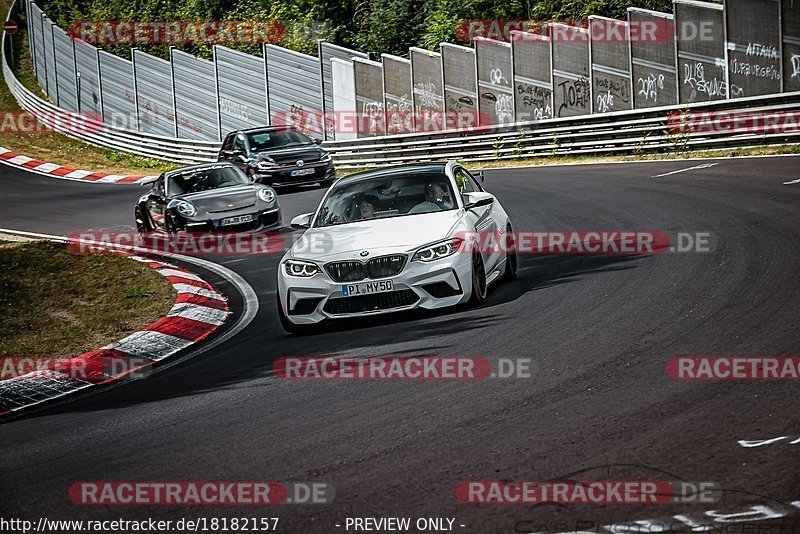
x: 352, y: 290
x: 302, y: 172
x: 236, y: 220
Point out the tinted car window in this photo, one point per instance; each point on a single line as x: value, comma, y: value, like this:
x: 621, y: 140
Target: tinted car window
x: 276, y: 139
x: 196, y: 180
x: 228, y: 144
x: 386, y: 197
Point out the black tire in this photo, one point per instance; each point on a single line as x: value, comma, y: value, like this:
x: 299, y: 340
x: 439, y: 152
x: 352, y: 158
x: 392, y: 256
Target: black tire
x: 144, y: 229
x: 478, y: 280
x: 169, y: 225
x: 328, y: 182
x: 288, y: 326
x: 510, y: 272
x: 142, y: 225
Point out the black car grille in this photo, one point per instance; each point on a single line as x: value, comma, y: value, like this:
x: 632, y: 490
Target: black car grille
x: 345, y: 271
x: 385, y: 266
x: 353, y: 271
x: 365, y: 303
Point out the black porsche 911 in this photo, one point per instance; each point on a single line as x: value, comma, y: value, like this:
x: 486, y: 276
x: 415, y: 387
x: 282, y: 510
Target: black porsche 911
x: 207, y: 197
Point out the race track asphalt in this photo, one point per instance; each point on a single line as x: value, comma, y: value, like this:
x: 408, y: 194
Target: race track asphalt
x: 599, y: 330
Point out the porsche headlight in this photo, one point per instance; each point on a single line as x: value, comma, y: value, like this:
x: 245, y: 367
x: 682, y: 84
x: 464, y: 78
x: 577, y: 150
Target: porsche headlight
x: 186, y: 208
x: 439, y: 250
x: 303, y: 269
x: 266, y: 194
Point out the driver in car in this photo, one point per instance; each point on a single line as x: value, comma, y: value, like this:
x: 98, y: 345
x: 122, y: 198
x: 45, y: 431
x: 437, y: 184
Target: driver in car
x: 367, y: 206
x: 436, y: 199
x: 436, y: 194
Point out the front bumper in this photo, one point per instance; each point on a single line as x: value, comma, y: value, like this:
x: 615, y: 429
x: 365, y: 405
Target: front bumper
x: 283, y: 175
x: 440, y: 284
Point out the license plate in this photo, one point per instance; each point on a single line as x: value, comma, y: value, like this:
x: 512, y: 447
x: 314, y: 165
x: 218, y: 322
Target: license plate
x: 301, y: 172
x: 236, y: 220
x: 351, y: 290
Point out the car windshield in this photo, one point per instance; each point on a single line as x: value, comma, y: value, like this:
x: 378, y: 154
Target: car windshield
x: 386, y: 197
x: 205, y: 179
x: 260, y: 141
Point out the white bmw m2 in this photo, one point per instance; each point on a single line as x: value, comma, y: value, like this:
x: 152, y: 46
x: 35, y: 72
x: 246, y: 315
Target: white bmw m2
x: 394, y: 239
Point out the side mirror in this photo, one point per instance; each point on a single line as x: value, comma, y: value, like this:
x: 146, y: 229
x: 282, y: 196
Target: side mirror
x: 317, y: 141
x: 302, y: 221
x: 477, y: 200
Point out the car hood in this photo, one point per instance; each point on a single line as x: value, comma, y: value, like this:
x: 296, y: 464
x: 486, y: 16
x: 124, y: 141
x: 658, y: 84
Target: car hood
x: 291, y: 155
x: 377, y: 236
x: 224, y: 198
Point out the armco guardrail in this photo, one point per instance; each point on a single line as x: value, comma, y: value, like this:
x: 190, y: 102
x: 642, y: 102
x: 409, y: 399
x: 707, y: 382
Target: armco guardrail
x: 625, y: 132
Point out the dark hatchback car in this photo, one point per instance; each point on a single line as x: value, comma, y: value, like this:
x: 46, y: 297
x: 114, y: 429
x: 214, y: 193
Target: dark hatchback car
x: 207, y: 197
x: 278, y: 155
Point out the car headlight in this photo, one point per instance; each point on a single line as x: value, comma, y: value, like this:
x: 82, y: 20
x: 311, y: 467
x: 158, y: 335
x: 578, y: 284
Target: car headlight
x: 185, y: 208
x: 325, y: 157
x: 439, y: 250
x: 266, y: 194
x: 303, y: 269
x: 266, y: 163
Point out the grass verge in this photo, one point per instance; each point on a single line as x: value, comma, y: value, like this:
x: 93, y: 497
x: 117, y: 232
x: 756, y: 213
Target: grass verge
x: 56, y: 304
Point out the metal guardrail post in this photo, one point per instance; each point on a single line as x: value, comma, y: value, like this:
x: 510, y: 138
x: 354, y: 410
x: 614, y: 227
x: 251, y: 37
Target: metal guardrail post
x: 135, y: 90
x: 174, y: 100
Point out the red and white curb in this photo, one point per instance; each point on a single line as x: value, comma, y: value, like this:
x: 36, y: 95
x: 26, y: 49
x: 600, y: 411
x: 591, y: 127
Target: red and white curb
x: 198, y: 311
x: 15, y: 159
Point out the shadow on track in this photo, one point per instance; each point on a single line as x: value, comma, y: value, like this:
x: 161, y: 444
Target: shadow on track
x: 251, y: 354
x: 544, y: 271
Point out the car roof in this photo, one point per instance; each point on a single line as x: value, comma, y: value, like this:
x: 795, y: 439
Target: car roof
x: 264, y: 129
x: 396, y: 170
